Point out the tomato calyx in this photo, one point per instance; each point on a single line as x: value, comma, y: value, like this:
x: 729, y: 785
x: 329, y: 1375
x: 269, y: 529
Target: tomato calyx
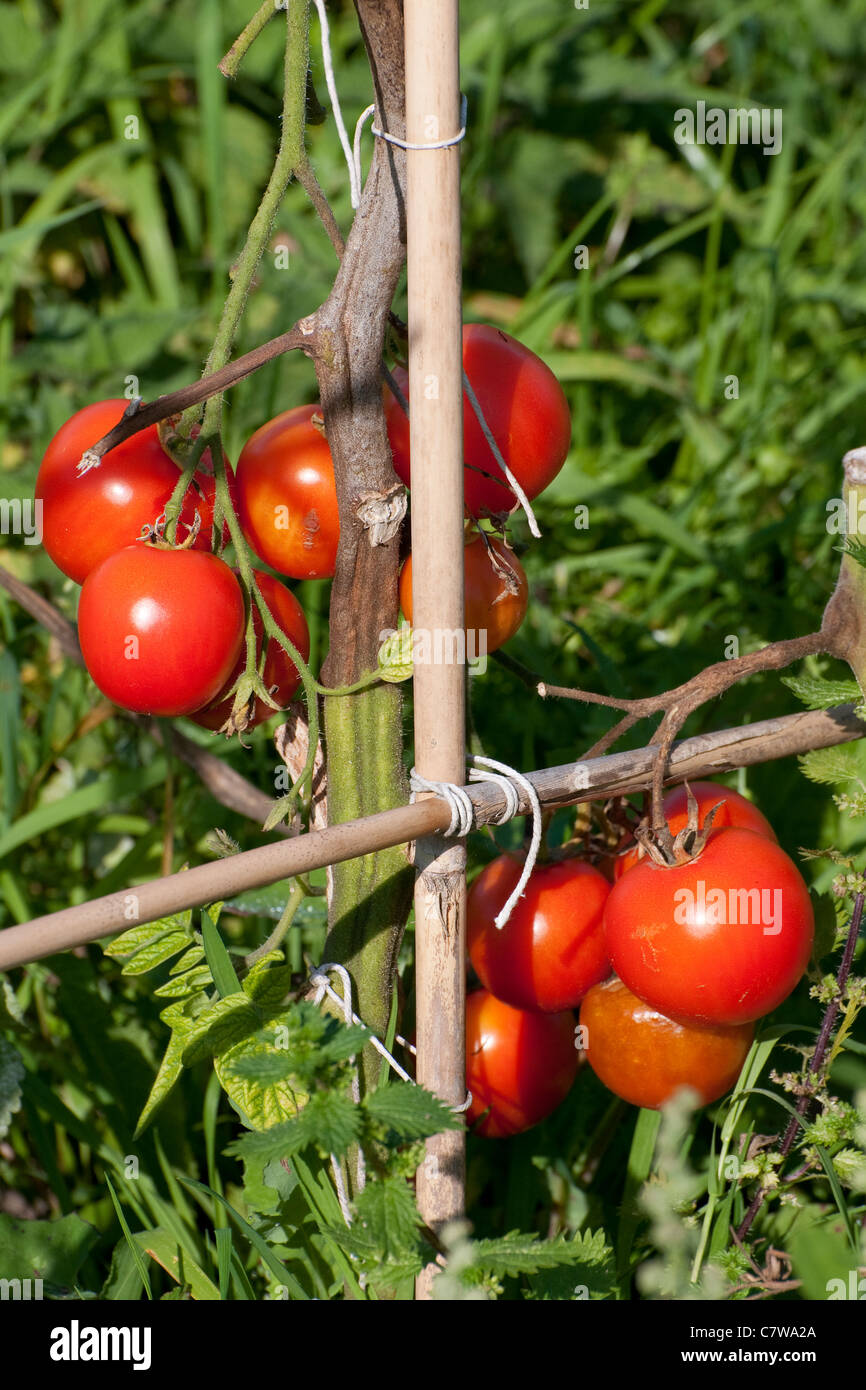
x: 154, y: 534
x: 669, y: 851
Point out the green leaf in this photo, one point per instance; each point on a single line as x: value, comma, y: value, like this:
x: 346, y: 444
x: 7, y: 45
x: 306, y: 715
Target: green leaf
x: 218, y: 958
x: 269, y: 981
x: 829, y: 766
x: 50, y: 1250
x: 410, y: 1112
x: 140, y: 1266
x: 138, y: 937
x: 258, y: 1076
x: 161, y: 949
x: 517, y: 1253
x: 386, y: 1214
x: 395, y: 656
x: 170, y: 1069
x: 821, y: 1256
x: 12, y: 1073
x: 274, y: 1264
x: 816, y: 693
x: 587, y: 1273
x: 162, y: 1247
x: 218, y: 1027
x: 329, y: 1122
x: 11, y: 1017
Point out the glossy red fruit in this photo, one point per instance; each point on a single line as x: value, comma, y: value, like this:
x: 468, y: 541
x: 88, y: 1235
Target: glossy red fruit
x: 287, y: 496
x: 734, y: 811
x: 519, y: 1065
x: 525, y: 408
x: 552, y: 948
x: 160, y: 629
x: 645, y: 1057
x: 496, y: 594
x: 722, y: 939
x: 85, y: 519
x: 280, y: 670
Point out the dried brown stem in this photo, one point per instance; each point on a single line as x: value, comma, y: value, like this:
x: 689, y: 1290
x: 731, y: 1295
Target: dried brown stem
x: 303, y: 337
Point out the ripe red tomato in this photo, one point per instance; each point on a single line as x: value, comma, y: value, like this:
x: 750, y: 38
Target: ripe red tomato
x: 287, y: 496
x: 644, y: 1057
x: 279, y: 670
x: 525, y: 408
x: 85, y: 519
x: 735, y: 810
x: 519, y: 1065
x: 495, y: 605
x: 552, y: 948
x: 721, y: 939
x: 160, y: 629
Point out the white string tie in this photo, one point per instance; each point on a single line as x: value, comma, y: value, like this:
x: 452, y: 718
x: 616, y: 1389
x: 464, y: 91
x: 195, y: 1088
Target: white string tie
x: 463, y: 812
x: 395, y: 139
x: 497, y: 454
x: 353, y: 163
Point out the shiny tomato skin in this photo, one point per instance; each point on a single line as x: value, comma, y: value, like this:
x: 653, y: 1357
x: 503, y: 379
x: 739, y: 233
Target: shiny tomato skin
x: 735, y: 810
x: 279, y: 670
x: 160, y: 629
x: 287, y: 496
x: 645, y: 1057
x: 519, y: 1065
x: 552, y: 948
x: 687, y: 941
x: 525, y: 408
x: 86, y: 519
x: 493, y: 612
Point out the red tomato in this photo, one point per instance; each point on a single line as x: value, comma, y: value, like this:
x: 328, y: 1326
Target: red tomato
x: 722, y: 939
x: 644, y: 1057
x: 735, y: 810
x: 279, y: 670
x: 493, y: 612
x: 525, y: 408
x: 160, y: 629
x: 519, y: 1065
x: 287, y: 496
x: 85, y: 519
x: 552, y: 948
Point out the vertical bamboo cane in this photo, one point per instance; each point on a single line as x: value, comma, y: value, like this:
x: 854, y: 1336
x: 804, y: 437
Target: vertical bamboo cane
x: 436, y: 441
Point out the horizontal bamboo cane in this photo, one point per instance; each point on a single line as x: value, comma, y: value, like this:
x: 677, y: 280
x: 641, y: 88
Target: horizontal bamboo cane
x: 566, y: 785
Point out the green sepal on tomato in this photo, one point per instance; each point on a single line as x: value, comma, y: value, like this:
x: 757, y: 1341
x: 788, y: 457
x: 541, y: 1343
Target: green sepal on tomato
x: 86, y: 518
x: 733, y: 811
x: 279, y: 669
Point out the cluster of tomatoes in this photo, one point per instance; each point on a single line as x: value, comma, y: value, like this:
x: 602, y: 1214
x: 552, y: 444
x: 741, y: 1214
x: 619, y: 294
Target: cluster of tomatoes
x: 670, y: 966
x: 162, y: 625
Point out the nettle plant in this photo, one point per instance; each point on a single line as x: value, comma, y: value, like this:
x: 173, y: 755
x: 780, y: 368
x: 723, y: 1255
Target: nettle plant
x: 328, y: 1138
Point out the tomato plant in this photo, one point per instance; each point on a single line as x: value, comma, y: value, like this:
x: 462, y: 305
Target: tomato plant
x: 723, y: 938
x: 160, y: 629
x: 552, y: 948
x: 519, y: 1065
x: 733, y: 810
x: 85, y: 519
x: 287, y: 497
x: 279, y: 670
x: 645, y: 1057
x: 496, y: 594
x: 525, y: 408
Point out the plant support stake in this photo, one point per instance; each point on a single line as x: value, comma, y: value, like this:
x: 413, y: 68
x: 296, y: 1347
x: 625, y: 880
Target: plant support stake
x: 436, y: 444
